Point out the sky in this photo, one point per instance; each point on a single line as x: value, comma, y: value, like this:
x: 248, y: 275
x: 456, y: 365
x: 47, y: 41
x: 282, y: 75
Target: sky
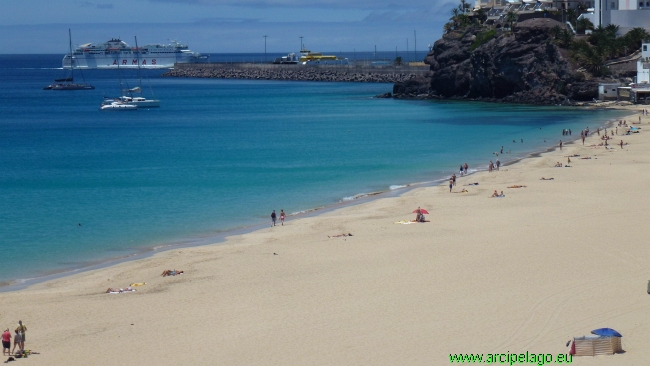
x: 225, y: 26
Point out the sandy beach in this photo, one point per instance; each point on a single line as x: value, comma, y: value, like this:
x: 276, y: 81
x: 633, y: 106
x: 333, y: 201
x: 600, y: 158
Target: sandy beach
x: 524, y: 273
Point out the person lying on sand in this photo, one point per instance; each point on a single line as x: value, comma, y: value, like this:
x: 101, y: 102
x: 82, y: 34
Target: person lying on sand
x: 542, y: 178
x: 119, y: 290
x: 573, y: 156
x: 516, y: 186
x: 587, y: 158
x: 171, y: 272
x: 472, y: 184
x: 558, y: 165
x: 336, y: 236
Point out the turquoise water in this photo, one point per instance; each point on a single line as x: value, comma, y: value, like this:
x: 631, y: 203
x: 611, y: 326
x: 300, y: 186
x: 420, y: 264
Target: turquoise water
x: 219, y: 154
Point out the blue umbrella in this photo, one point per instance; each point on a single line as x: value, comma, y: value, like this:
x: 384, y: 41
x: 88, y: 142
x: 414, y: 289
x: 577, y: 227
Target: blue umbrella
x: 606, y: 332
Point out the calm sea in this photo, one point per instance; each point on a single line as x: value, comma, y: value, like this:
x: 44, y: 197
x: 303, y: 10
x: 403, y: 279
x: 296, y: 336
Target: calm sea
x: 218, y: 155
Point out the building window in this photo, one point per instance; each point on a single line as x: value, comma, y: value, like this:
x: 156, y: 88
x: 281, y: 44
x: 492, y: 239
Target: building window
x: 613, y: 6
x: 641, y: 5
x: 645, y: 47
x: 647, y: 4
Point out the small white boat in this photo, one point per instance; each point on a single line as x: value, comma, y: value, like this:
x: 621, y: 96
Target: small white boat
x: 117, y: 105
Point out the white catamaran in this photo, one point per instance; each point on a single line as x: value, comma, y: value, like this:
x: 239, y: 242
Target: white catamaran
x: 129, y: 101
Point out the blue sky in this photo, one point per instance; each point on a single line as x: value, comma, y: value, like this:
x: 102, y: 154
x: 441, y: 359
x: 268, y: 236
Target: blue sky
x: 224, y: 26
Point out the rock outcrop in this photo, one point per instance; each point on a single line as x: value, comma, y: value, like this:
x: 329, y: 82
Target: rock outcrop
x: 518, y: 66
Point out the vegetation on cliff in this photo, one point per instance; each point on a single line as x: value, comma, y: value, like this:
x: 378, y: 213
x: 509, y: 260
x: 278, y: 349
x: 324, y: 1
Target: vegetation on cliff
x: 601, y: 46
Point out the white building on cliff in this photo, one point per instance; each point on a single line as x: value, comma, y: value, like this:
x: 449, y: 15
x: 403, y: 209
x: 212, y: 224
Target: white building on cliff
x: 643, y: 65
x: 627, y: 14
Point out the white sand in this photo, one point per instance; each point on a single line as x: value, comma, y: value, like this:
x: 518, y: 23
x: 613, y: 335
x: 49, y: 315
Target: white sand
x: 522, y: 273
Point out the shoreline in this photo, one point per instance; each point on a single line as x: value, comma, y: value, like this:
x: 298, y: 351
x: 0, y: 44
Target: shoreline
x: 545, y: 263
x: 221, y: 236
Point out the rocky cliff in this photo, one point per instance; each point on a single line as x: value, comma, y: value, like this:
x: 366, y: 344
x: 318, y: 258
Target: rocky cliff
x: 518, y: 66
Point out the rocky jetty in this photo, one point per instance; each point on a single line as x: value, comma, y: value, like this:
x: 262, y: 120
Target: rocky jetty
x: 518, y: 66
x: 299, y: 73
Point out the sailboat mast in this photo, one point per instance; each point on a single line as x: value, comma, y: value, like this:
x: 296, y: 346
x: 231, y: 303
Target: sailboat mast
x: 71, y: 59
x: 138, y: 53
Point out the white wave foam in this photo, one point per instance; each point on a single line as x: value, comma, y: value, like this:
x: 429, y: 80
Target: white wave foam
x: 398, y: 186
x: 357, y: 196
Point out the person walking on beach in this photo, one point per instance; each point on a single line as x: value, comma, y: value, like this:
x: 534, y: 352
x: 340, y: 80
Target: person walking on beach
x: 282, y: 217
x: 22, y: 329
x: 560, y: 145
x: 498, y: 164
x: 6, y: 343
x: 583, y: 139
x: 621, y: 144
x: 453, y: 179
x: 466, y: 168
x: 273, y: 218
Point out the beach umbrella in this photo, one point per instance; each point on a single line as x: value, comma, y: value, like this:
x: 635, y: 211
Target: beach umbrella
x: 421, y: 211
x: 606, y: 332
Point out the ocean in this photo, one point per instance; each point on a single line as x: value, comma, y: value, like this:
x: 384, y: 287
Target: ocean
x: 79, y: 186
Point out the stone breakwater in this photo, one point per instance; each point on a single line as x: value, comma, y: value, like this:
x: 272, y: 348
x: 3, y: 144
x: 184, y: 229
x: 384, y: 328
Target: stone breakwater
x: 293, y: 72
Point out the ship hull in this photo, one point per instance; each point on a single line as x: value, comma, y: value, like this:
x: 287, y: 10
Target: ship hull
x: 103, y: 62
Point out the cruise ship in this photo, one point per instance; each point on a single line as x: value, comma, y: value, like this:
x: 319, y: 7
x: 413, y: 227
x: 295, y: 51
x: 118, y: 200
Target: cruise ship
x: 117, y: 53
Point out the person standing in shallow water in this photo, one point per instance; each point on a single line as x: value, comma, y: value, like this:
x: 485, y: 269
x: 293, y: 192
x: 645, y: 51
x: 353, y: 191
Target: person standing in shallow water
x: 273, y: 217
